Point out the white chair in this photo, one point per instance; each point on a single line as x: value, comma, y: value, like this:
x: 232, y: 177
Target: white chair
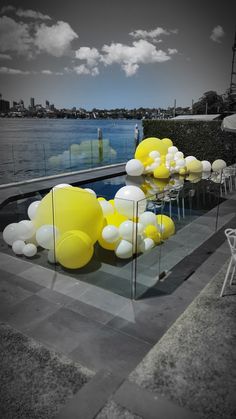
x: 231, y: 237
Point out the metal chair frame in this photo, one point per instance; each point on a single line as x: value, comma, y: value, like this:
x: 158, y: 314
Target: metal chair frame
x: 231, y: 237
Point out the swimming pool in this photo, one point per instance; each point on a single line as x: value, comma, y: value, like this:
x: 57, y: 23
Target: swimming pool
x: 192, y: 205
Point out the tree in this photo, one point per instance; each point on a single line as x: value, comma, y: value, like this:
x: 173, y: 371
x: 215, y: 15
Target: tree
x: 210, y: 103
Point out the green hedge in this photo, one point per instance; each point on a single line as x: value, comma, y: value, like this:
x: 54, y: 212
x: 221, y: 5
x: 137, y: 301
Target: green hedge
x: 203, y: 139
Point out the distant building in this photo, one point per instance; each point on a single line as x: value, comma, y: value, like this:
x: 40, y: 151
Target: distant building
x: 4, y: 106
x: 32, y: 103
x: 47, y: 104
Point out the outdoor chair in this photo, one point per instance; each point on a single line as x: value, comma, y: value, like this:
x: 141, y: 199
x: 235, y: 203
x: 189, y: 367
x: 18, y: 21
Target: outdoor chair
x: 231, y: 237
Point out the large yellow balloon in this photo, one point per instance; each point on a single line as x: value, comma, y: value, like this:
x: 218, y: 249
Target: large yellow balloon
x: 74, y: 249
x: 71, y: 208
x: 167, y: 142
x: 167, y: 226
x: 148, y: 145
x: 115, y: 219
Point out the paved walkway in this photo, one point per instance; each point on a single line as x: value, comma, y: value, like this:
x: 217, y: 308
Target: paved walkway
x: 103, y: 331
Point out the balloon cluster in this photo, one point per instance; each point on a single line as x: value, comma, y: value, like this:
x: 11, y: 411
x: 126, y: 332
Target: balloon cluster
x: 161, y: 159
x: 69, y: 220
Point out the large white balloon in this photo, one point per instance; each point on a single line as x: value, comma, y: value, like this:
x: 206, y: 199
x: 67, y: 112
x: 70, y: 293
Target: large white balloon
x: 130, y: 201
x: 62, y: 185
x: 90, y: 191
x: 18, y: 247
x: 172, y: 149
x: 32, y: 209
x: 134, y: 167
x: 206, y: 166
x: 46, y: 235
x: 218, y: 165
x: 51, y: 256
x: 10, y: 233
x: 148, y: 218
x: 29, y: 250
x: 110, y: 233
x: 26, y: 229
x: 124, y: 249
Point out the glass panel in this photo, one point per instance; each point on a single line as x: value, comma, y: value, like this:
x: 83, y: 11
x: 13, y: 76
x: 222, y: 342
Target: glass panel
x: 82, y: 251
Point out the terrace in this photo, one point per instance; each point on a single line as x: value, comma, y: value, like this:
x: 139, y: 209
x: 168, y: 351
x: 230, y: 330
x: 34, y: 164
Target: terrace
x: 78, y: 346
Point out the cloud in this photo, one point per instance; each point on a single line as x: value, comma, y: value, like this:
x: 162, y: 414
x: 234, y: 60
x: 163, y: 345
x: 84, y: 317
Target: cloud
x: 91, y: 55
x: 55, y: 39
x: 172, y: 51
x: 217, y: 34
x: 154, y: 33
x: 7, y: 70
x: 5, y: 57
x: 130, y: 57
x: 14, y: 36
x: 83, y: 69
x: 25, y: 13
x: 50, y: 73
x: 32, y: 14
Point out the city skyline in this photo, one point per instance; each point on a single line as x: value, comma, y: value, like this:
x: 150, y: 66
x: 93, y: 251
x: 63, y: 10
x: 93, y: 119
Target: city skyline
x: 115, y: 56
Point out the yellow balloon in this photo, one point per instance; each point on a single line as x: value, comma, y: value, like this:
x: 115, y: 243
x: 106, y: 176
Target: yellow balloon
x: 74, y: 249
x: 71, y: 208
x: 161, y: 172
x: 168, y: 226
x: 148, y: 145
x: 115, y: 219
x: 194, y: 166
x: 167, y: 142
x: 152, y: 232
x: 161, y: 183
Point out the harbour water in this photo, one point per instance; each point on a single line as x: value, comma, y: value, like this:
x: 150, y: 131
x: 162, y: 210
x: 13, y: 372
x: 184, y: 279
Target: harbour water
x: 31, y: 148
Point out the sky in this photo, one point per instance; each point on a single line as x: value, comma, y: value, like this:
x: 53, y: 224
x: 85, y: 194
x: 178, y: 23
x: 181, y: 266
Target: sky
x: 115, y: 54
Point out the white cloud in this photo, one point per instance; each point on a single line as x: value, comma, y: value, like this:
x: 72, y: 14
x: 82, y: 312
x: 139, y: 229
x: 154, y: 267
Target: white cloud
x: 14, y: 36
x: 56, y: 39
x: 91, y: 55
x: 172, y: 51
x: 154, y: 33
x: 129, y: 57
x: 83, y: 69
x: 5, y: 57
x: 32, y: 14
x: 50, y: 73
x: 217, y: 34
x: 7, y: 70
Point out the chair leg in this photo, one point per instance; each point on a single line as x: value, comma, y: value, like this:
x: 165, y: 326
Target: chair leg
x: 232, y: 275
x: 226, y: 277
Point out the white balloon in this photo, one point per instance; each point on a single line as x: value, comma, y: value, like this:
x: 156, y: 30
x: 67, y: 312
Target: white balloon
x: 107, y: 208
x: 127, y: 230
x: 18, y: 247
x: 29, y: 250
x: 180, y: 163
x: 62, y: 185
x: 130, y: 201
x: 179, y: 155
x: 134, y: 167
x: 110, y: 233
x: 172, y: 149
x: 32, y: 209
x: 124, y: 249
x: 218, y: 165
x: 206, y: 166
x: 46, y: 235
x: 91, y: 191
x: 51, y: 256
x: 26, y: 229
x: 169, y: 156
x: 10, y: 233
x: 154, y: 154
x: 146, y: 245
x: 188, y: 159
x: 148, y: 218
x: 140, y: 228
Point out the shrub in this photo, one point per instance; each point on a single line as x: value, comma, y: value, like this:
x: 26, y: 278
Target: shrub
x: 203, y: 139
